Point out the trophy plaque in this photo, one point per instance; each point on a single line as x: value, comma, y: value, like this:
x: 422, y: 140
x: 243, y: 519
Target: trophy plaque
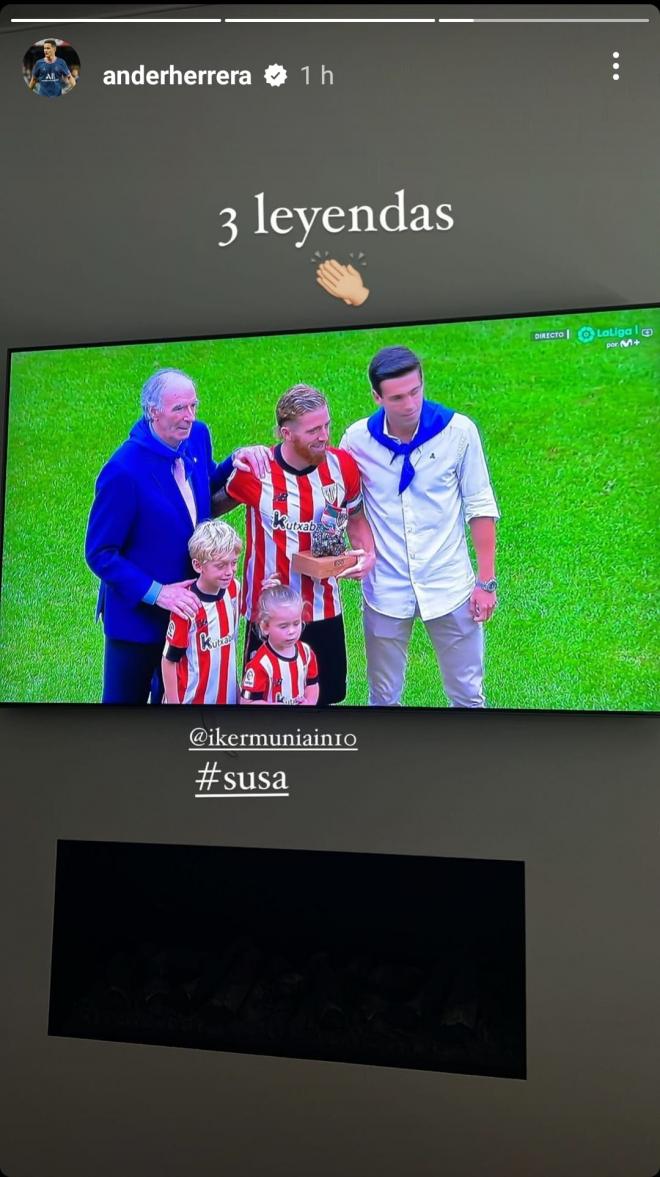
x: 328, y: 555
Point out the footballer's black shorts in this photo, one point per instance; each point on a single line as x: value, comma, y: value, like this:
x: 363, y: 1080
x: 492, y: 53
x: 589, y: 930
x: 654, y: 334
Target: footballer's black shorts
x: 328, y: 642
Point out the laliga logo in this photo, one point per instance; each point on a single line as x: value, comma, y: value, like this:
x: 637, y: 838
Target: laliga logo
x: 586, y: 334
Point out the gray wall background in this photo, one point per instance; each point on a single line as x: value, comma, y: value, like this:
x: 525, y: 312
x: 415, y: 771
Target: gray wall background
x: 110, y: 201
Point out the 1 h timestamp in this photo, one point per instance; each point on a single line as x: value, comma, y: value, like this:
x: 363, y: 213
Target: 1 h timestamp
x: 312, y: 73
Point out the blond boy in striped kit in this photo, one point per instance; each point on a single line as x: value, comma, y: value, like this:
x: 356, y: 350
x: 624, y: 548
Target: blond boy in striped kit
x: 199, y: 660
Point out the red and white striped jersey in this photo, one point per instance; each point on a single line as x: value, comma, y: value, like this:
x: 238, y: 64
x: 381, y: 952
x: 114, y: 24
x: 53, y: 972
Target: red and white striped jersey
x: 275, y: 679
x: 204, y: 649
x: 282, y: 511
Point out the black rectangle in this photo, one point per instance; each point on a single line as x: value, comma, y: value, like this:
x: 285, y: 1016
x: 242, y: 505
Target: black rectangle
x: 390, y: 960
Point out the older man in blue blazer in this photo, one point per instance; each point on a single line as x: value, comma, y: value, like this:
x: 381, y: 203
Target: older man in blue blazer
x: 150, y: 495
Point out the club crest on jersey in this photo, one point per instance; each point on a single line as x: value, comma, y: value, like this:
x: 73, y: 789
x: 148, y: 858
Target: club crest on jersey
x: 331, y: 493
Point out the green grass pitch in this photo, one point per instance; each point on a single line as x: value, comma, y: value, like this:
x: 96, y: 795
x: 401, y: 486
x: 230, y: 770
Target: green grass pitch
x: 569, y: 432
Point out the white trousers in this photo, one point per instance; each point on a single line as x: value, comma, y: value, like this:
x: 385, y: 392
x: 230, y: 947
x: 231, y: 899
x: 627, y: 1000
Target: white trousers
x: 458, y: 642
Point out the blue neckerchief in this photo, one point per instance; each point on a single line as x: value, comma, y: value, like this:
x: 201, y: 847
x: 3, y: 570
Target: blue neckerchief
x: 434, y: 418
x: 144, y: 435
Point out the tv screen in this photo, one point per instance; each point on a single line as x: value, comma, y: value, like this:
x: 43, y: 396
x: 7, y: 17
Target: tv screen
x: 496, y: 477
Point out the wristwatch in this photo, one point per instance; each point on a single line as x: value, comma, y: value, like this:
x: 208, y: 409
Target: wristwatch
x: 489, y: 586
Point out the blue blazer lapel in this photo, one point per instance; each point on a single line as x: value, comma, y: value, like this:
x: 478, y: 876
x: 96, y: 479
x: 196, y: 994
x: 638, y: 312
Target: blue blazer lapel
x: 163, y: 475
x: 161, y: 470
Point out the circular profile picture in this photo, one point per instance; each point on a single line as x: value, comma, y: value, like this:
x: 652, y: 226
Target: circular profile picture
x: 51, y: 68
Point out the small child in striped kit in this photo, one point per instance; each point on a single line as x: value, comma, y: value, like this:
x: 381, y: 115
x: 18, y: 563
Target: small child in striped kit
x: 284, y: 669
x: 199, y: 660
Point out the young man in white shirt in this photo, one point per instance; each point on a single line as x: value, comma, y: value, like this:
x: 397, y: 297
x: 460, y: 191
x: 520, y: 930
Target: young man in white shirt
x: 424, y: 476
